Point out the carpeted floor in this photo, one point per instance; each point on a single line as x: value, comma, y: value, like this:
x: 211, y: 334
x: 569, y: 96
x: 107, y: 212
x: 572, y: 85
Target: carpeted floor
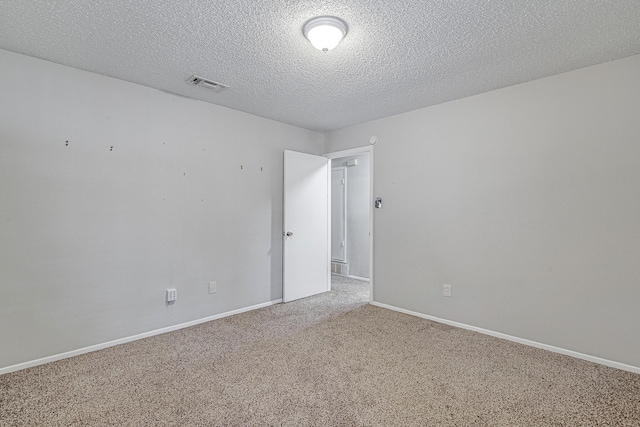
x: 328, y: 360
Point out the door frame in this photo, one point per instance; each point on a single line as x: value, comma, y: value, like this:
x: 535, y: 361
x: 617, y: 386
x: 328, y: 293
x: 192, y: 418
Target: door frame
x: 353, y: 152
x: 344, y: 216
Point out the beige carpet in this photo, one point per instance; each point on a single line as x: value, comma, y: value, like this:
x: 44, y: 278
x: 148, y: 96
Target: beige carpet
x: 328, y: 360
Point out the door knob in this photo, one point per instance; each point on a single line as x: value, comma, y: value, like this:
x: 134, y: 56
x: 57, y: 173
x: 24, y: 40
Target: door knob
x: 289, y: 234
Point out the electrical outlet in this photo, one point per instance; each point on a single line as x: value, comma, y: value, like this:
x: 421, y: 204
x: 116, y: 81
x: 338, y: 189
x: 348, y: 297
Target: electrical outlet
x: 446, y: 290
x: 172, y: 295
x: 213, y: 287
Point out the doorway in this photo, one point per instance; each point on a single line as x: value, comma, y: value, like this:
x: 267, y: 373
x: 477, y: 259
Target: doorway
x: 307, y: 223
x: 352, y: 216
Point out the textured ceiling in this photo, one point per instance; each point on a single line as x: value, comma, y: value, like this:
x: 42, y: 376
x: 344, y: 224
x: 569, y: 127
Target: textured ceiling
x: 398, y: 55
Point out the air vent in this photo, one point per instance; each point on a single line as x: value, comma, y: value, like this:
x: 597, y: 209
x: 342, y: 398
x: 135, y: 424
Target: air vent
x: 340, y: 268
x: 209, y: 84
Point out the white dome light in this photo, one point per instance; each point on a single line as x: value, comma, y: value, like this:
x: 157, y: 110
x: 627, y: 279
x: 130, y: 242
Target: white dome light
x: 325, y: 32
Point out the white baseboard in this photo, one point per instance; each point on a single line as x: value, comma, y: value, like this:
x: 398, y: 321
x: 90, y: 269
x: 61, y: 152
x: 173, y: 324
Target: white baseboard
x: 364, y: 279
x: 605, y: 362
x: 101, y: 346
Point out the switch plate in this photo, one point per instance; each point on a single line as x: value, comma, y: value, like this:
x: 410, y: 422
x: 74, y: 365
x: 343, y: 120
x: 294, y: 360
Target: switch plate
x: 213, y: 287
x: 172, y: 295
x: 446, y: 290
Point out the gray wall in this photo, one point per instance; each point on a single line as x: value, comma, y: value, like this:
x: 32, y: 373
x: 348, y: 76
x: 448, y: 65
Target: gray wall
x: 91, y: 238
x: 357, y: 213
x: 526, y: 201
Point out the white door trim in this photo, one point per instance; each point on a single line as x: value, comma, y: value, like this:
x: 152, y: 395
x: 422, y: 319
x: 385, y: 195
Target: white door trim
x: 344, y: 214
x: 353, y: 152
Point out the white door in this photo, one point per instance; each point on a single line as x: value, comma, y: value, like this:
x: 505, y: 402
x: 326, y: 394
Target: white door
x: 306, y: 227
x: 339, y: 214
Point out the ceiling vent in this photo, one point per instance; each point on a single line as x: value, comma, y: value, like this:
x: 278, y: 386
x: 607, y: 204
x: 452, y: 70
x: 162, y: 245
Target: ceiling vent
x: 209, y: 84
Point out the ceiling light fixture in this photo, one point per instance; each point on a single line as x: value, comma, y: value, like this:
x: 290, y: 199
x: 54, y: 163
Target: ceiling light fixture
x: 325, y: 32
